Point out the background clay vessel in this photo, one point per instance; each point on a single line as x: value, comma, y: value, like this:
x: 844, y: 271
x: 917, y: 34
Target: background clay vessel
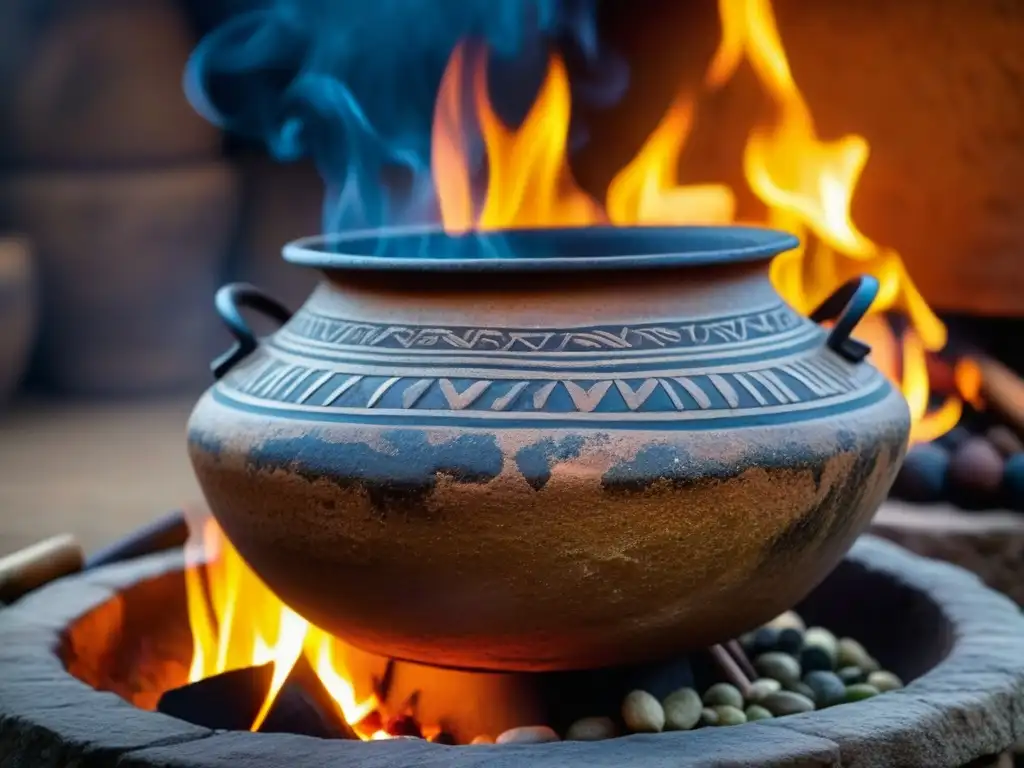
x: 17, y: 313
x: 593, y: 447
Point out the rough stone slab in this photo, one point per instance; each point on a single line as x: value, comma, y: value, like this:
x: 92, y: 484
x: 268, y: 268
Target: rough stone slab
x: 706, y: 748
x: 990, y: 544
x: 968, y: 706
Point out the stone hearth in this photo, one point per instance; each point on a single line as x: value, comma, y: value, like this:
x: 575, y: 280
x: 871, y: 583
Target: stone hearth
x: 960, y: 644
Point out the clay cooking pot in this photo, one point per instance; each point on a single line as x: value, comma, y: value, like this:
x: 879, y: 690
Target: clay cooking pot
x: 545, y: 449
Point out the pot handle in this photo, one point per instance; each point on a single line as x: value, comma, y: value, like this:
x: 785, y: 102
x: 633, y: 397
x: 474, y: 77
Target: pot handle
x: 230, y: 301
x: 848, y: 306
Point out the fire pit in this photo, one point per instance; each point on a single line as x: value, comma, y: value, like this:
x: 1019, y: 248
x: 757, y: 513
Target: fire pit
x: 85, y: 660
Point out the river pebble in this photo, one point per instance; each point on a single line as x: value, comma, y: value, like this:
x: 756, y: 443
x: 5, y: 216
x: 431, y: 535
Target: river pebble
x: 850, y: 653
x: 682, y: 709
x: 780, y: 666
x: 791, y: 641
x: 786, y: 620
x: 816, y: 658
x: 860, y: 691
x: 762, y: 687
x: 821, y: 638
x: 851, y: 675
x: 708, y: 716
x: 528, y: 734
x: 756, y: 712
x: 884, y: 681
x: 592, y: 729
x: 826, y: 688
x: 642, y: 713
x: 723, y: 694
x: 785, y: 703
x: 728, y: 715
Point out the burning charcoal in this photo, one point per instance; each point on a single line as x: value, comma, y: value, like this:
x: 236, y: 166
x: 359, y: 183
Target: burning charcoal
x: 922, y: 478
x: 1013, y: 481
x: 231, y: 701
x: 975, y: 473
x: 404, y: 725
x: 443, y: 737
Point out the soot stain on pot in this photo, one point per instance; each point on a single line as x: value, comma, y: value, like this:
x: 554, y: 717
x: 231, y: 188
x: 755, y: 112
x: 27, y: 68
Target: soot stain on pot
x: 398, y: 480
x: 657, y: 464
x: 536, y: 461
x: 825, y: 520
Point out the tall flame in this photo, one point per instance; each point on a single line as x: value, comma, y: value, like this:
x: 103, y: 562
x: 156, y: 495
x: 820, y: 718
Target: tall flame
x: 238, y: 622
x: 806, y: 183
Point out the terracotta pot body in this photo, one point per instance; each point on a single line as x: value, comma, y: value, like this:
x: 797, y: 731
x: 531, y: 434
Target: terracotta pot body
x: 17, y: 313
x: 574, y: 458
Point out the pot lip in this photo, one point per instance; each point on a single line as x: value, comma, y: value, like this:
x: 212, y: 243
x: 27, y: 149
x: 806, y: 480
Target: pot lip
x: 639, y: 248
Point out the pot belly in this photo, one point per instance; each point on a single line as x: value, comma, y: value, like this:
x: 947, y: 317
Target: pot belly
x: 503, y: 546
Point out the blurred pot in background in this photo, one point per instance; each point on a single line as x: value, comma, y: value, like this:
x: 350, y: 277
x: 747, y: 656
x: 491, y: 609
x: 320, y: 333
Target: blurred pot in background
x: 17, y: 313
x: 129, y: 260
x: 121, y: 187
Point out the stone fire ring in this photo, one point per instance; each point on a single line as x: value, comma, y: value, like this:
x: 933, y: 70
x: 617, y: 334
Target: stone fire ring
x: 966, y: 700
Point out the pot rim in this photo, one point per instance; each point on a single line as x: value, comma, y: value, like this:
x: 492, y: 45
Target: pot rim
x: 589, y: 248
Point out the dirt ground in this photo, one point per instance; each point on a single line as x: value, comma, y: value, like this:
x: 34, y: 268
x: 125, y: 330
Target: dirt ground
x: 95, y: 471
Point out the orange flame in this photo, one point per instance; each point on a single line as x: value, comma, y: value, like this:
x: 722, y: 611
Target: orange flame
x: 806, y: 183
x: 232, y: 614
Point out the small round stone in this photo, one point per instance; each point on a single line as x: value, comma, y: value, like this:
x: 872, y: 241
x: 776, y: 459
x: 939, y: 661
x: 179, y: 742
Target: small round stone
x: 785, y: 703
x: 756, y: 712
x: 780, y: 666
x: 482, y: 739
x: 922, y: 478
x: 1013, y: 481
x: 850, y: 653
x: 851, y: 675
x: 975, y: 472
x: 884, y: 681
x: 789, y: 619
x: 527, y: 734
x: 762, y: 687
x: 802, y: 688
x: 827, y: 688
x: 723, y: 694
x: 682, y: 709
x: 592, y: 729
x: 859, y: 692
x: 953, y: 439
x: 708, y: 716
x: 1004, y: 440
x: 764, y: 640
x: 728, y: 715
x: 819, y: 637
x: 790, y: 641
x: 814, y: 658
x: 642, y: 713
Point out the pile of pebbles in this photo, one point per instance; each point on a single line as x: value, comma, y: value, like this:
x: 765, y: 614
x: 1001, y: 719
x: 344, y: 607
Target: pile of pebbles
x: 801, y: 669
x: 973, y: 469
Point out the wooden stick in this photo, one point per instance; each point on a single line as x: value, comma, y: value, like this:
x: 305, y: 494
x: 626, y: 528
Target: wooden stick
x: 39, y: 564
x: 1003, y: 391
x: 730, y: 669
x: 740, y: 657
